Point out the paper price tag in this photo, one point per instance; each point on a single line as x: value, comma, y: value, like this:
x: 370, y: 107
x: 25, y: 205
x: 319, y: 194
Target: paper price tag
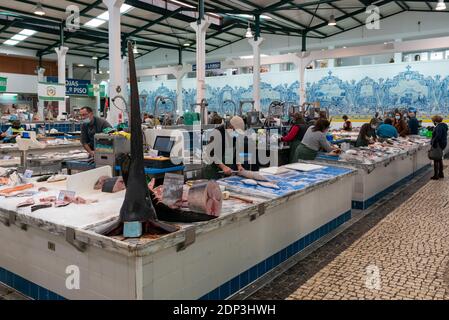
x: 28, y: 174
x: 65, y: 195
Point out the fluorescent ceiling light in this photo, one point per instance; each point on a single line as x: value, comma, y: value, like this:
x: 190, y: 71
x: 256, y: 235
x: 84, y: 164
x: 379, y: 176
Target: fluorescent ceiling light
x: 94, y: 58
x: 27, y: 32
x: 19, y: 37
x: 80, y: 65
x: 94, y: 23
x: 135, y: 51
x: 441, y: 5
x: 102, y: 18
x: 10, y: 42
x: 39, y: 10
x: 9, y: 94
x: 182, y: 4
x: 186, y: 44
x: 262, y: 16
x: 251, y: 56
x: 332, y: 21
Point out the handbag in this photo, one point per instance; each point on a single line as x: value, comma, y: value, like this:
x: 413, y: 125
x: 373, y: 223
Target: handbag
x: 435, y: 153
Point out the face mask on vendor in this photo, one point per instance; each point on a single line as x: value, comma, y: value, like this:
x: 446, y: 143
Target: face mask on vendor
x: 374, y: 127
x: 398, y: 117
x: 87, y: 120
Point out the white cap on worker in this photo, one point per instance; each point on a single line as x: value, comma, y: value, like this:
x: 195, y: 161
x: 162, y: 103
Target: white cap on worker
x: 237, y: 123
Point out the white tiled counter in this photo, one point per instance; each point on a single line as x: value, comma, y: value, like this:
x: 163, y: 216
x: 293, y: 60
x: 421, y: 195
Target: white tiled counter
x: 42, y: 252
x: 374, y: 181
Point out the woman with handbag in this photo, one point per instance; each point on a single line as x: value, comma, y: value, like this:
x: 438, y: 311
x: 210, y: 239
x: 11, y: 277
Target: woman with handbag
x: 438, y: 144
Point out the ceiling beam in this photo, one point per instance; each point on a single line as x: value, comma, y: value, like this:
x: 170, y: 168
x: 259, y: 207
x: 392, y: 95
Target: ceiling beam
x: 349, y: 15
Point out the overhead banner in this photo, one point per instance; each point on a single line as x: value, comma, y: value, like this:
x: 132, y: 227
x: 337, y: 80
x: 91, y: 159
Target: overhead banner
x: 95, y: 89
x: 48, y: 91
x: 209, y: 66
x: 73, y: 86
x: 3, y: 82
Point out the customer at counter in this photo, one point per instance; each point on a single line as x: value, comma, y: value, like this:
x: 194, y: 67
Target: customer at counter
x: 400, y: 124
x: 90, y: 126
x: 295, y: 135
x: 387, y: 130
x: 413, y: 124
x: 315, y: 140
x: 212, y: 170
x: 367, y: 134
x: 347, y: 125
x: 439, y: 140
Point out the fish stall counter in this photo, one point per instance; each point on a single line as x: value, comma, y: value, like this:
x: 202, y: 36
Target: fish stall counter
x: 56, y: 253
x: 56, y: 145
x: 381, y: 167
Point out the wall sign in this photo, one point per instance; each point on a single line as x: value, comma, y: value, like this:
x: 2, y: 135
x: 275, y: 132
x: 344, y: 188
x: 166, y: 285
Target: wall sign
x: 209, y: 66
x: 48, y: 91
x: 94, y: 89
x: 3, y: 82
x: 73, y: 86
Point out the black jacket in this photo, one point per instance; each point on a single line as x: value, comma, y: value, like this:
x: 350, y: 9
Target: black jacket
x: 439, y: 136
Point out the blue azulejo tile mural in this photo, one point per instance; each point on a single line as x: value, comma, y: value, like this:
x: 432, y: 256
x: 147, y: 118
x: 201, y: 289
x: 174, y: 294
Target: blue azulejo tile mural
x: 359, y: 90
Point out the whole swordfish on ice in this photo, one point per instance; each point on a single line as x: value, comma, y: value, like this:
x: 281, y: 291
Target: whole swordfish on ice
x: 137, y: 205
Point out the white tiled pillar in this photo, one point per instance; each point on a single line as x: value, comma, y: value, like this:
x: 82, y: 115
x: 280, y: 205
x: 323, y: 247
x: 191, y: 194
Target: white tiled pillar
x: 256, y: 71
x: 40, y: 104
x: 200, y: 30
x: 62, y: 53
x: 115, y: 61
x: 398, y: 55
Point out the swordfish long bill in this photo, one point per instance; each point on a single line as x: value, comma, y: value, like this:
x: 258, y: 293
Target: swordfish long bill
x: 137, y: 205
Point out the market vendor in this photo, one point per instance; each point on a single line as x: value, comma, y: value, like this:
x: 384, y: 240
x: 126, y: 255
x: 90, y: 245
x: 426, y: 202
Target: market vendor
x: 400, y: 124
x: 90, y: 126
x: 367, y: 133
x: 212, y: 170
x: 387, y: 130
x: 315, y: 140
x: 413, y: 123
x: 295, y: 135
x: 347, y: 125
x: 13, y: 131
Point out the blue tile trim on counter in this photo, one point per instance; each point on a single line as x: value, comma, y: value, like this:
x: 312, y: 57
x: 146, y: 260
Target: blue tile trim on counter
x: 26, y: 287
x: 250, y: 275
x: 363, y: 205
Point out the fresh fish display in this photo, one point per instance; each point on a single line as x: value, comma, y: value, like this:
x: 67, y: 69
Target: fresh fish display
x: 61, y: 203
x: 205, y: 198
x: 137, y: 205
x: 99, y: 184
x: 249, y: 182
x: 22, y: 187
x: 23, y: 194
x: 4, y: 180
x: 252, y: 175
x: 26, y: 203
x: 56, y: 178
x: 174, y: 214
x: 41, y: 206
x: 43, y: 178
x: 268, y: 184
x: 113, y: 185
x: 80, y: 200
x: 48, y: 199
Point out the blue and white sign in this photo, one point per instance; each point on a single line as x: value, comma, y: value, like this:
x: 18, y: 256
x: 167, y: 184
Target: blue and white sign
x: 73, y: 86
x: 209, y: 66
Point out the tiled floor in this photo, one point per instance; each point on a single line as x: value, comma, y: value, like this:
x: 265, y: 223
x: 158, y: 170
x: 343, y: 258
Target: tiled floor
x: 400, y: 251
